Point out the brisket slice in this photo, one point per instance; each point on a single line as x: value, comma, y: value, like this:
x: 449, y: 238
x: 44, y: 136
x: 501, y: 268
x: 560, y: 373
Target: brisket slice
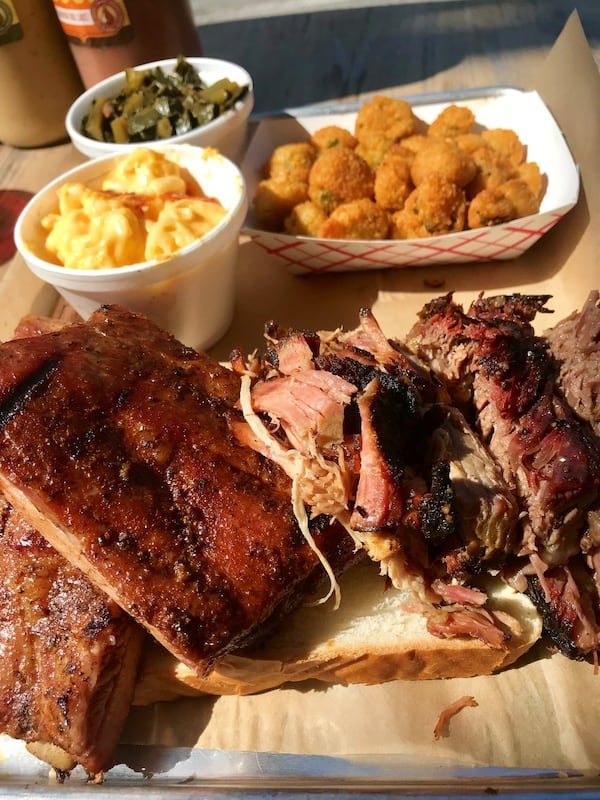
x: 546, y: 454
x: 69, y: 655
x: 503, y: 376
x: 115, y: 443
x: 575, y: 344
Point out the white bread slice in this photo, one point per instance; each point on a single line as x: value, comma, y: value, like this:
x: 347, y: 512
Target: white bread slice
x: 371, y: 638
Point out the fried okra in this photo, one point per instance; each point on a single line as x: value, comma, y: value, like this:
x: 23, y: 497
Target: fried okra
x: 291, y: 162
x: 373, y: 151
x: 452, y: 121
x: 384, y: 117
x: 492, y: 170
x: 510, y: 200
x: 274, y: 200
x: 445, y: 158
x: 435, y: 207
x: 305, y: 219
x: 469, y: 142
x: 507, y: 143
x: 333, y: 136
x: 415, y: 142
x: 395, y: 172
x: 338, y: 176
x: 393, y: 182
x: 358, y: 219
x: 530, y: 172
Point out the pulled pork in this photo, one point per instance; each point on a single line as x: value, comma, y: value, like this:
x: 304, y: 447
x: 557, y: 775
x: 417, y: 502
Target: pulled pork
x: 364, y: 431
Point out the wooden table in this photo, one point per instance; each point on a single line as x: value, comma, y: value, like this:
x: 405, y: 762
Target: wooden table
x: 323, y: 50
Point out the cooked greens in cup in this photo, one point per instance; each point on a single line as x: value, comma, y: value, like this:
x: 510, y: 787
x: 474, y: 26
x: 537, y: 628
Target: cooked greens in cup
x: 156, y: 105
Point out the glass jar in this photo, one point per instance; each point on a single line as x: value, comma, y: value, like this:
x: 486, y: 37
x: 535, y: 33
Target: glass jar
x: 107, y: 36
x: 38, y: 77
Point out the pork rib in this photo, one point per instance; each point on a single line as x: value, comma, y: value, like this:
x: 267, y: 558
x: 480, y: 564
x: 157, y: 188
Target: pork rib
x: 115, y: 443
x: 69, y: 655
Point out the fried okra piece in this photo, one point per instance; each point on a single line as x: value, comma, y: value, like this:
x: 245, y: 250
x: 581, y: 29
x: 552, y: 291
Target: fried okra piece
x: 507, y: 143
x: 338, y: 176
x: 384, y: 117
x: 358, y: 219
x: 492, y: 170
x: 445, y: 158
x: 373, y: 151
x: 291, y: 162
x: 393, y: 182
x: 469, y: 142
x: 530, y: 172
x: 452, y: 121
x: 510, y: 200
x: 435, y: 207
x: 274, y: 200
x: 333, y: 136
x: 521, y: 196
x: 305, y: 219
x: 415, y: 142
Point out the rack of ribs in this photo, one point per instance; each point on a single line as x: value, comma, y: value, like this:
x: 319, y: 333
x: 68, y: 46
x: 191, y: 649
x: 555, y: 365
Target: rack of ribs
x: 115, y: 443
x: 69, y: 656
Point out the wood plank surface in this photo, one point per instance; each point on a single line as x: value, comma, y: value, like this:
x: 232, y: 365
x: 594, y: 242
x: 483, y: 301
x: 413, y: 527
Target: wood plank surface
x: 318, y: 56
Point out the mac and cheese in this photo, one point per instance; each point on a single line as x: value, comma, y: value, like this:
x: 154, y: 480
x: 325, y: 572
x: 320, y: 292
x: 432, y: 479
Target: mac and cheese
x: 146, y: 210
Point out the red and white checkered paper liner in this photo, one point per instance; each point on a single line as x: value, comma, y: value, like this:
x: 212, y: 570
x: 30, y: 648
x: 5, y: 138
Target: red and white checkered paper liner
x: 523, y: 112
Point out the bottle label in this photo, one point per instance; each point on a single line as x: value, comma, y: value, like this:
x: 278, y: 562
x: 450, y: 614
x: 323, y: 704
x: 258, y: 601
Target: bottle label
x: 95, y: 23
x: 10, y: 25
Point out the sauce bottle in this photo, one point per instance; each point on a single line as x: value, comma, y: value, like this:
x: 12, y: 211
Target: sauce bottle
x: 38, y: 76
x: 107, y: 36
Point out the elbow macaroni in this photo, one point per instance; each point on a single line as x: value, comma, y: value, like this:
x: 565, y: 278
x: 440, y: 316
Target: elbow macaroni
x: 143, y: 212
x: 179, y: 224
x: 146, y: 171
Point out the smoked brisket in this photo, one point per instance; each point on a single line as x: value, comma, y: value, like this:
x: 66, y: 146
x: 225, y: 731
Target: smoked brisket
x: 504, y: 377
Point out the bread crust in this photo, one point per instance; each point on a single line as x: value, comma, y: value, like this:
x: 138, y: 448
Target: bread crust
x: 375, y: 639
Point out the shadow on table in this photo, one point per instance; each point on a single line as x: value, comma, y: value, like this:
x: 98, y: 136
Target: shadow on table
x: 308, y: 58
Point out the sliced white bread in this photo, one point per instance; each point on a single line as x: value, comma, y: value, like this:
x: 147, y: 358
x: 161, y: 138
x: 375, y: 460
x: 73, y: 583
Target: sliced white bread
x: 371, y: 638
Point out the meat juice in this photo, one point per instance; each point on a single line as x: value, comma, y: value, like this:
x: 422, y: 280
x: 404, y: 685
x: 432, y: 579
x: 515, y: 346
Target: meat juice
x: 108, y: 36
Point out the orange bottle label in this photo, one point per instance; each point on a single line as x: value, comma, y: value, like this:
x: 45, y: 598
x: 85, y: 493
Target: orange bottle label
x: 10, y: 25
x: 94, y: 22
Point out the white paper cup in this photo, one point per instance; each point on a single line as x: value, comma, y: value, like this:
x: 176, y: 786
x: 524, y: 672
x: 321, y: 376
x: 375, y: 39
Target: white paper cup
x: 227, y: 132
x: 191, y: 294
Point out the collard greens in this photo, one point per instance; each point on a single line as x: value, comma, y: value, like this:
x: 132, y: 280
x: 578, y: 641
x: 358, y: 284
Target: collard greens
x: 155, y: 105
